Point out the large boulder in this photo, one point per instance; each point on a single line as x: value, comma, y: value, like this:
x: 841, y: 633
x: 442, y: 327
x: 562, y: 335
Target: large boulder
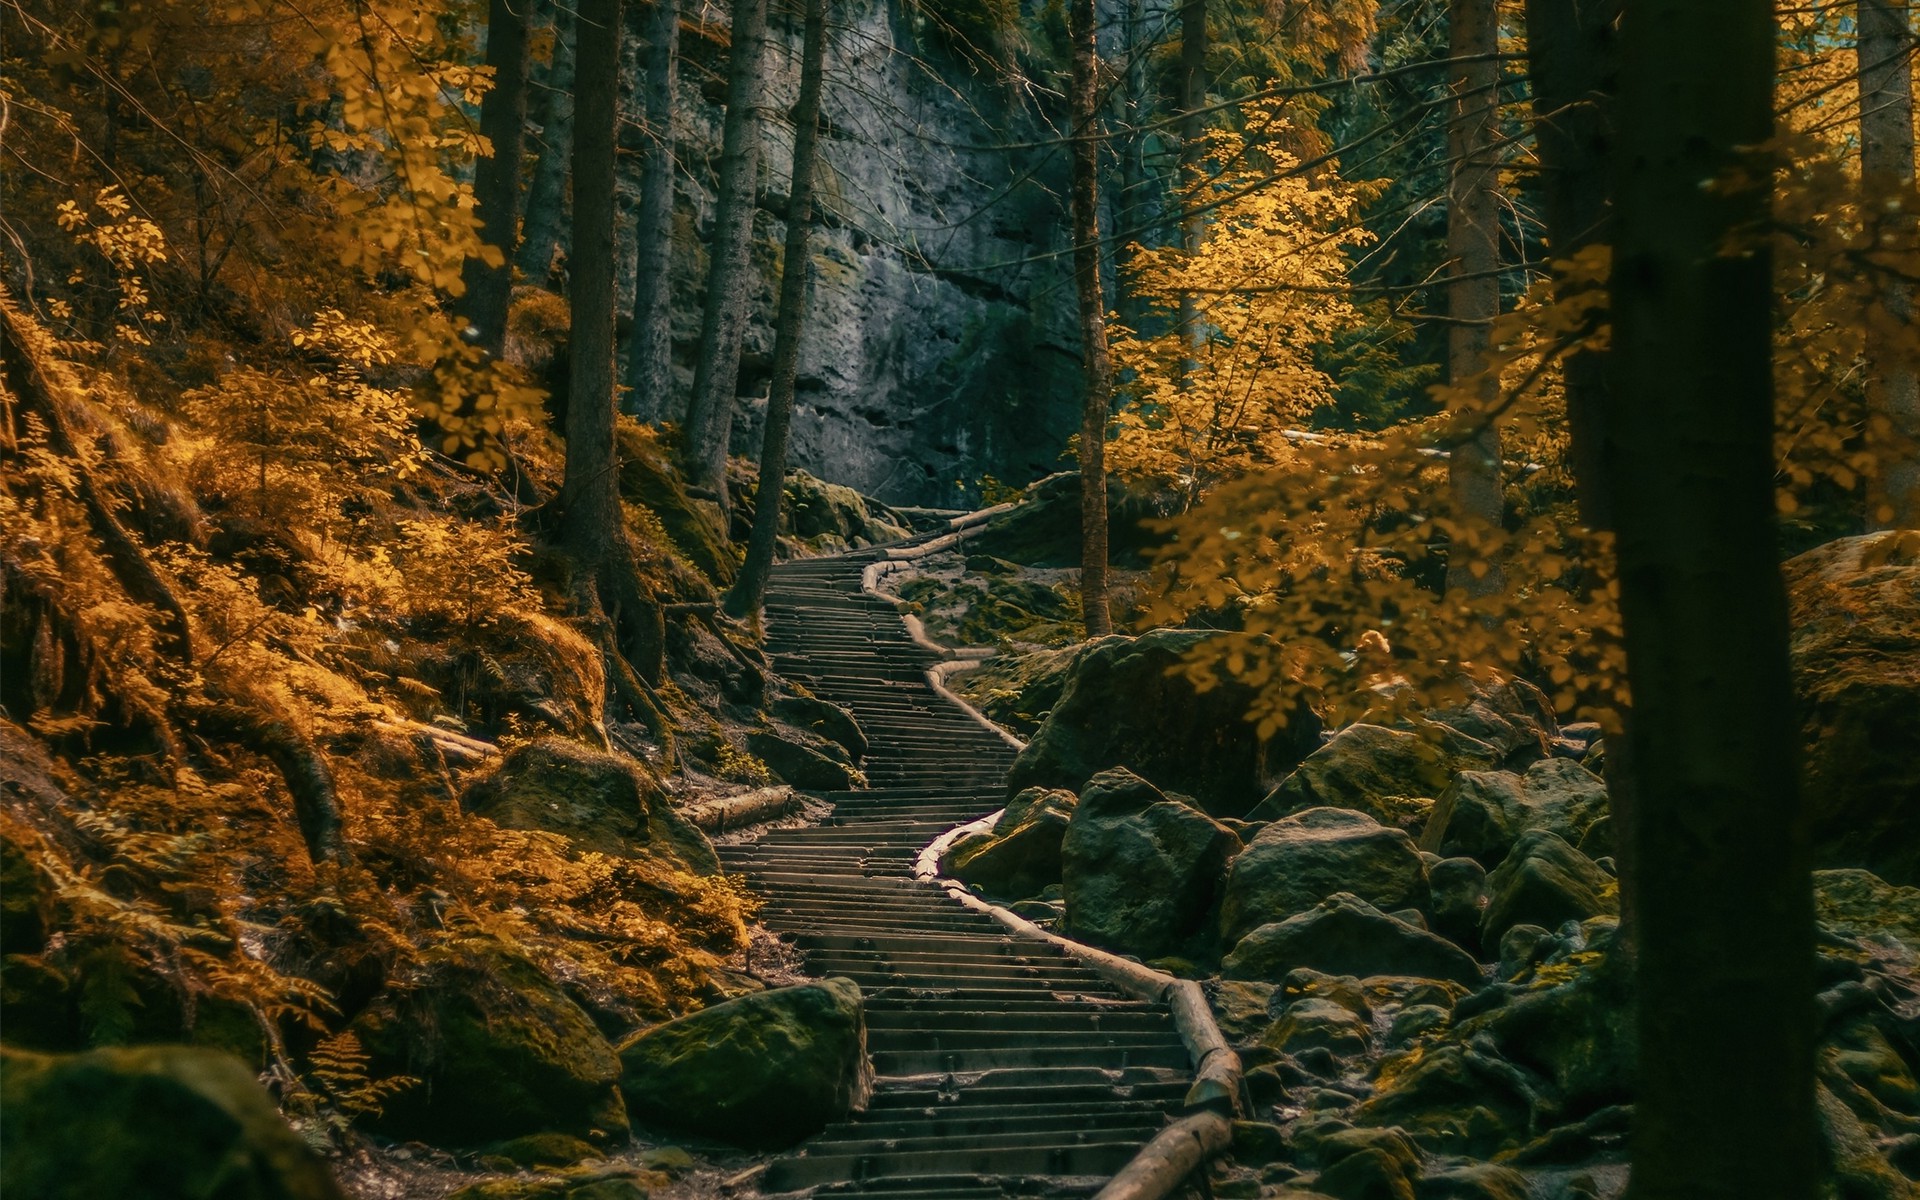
x: 1389, y: 774
x: 765, y: 1070
x: 1483, y: 813
x: 499, y: 1050
x: 1128, y: 703
x: 804, y: 759
x: 1021, y: 855
x: 1295, y: 863
x: 604, y: 802
x: 1453, y: 1099
x: 1344, y: 935
x: 1545, y: 882
x: 1141, y: 871
x: 161, y: 1122
x: 1856, y: 665
x: 1860, y: 904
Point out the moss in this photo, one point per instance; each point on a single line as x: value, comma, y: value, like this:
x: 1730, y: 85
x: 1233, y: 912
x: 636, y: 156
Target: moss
x: 649, y: 478
x: 499, y: 1050
x: 155, y: 1121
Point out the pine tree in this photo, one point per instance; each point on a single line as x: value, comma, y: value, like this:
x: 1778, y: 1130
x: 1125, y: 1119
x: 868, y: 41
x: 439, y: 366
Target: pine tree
x: 496, y: 184
x: 1886, y: 53
x: 650, y: 340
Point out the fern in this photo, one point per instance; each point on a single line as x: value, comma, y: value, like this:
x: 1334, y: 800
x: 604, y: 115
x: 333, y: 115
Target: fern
x: 338, y: 1069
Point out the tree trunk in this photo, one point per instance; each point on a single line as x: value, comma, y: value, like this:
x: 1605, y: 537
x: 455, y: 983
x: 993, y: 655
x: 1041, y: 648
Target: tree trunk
x: 650, y: 340
x: 1192, y: 128
x: 1574, y: 67
x: 723, y: 325
x: 589, y: 492
x: 1725, y: 1012
x: 749, y: 590
x: 1093, y: 324
x: 1886, y: 52
x: 547, y: 193
x: 1473, y: 294
x: 496, y: 184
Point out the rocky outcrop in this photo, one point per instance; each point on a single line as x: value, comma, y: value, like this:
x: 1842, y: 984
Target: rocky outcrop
x: 804, y: 759
x: 604, y: 802
x: 826, y: 518
x: 1020, y: 855
x: 1483, y: 813
x: 499, y: 1050
x: 163, y: 1122
x: 1141, y: 871
x: 1856, y: 666
x: 765, y: 1070
x: 1344, y: 935
x: 1127, y: 704
x: 1295, y: 863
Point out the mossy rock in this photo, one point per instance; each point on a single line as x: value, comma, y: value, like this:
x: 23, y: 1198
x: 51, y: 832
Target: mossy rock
x: 1860, y: 903
x: 603, y: 802
x: 500, y: 1052
x: 1545, y: 882
x: 831, y: 516
x: 526, y: 666
x: 1855, y: 652
x: 1127, y: 703
x: 1481, y: 814
x: 1385, y: 773
x: 545, y: 1150
x: 764, y: 1070
x: 1141, y: 871
x: 1021, y: 855
x: 804, y: 760
x: 157, y: 1122
x: 1344, y: 935
x: 1295, y: 863
x: 1452, y: 1100
x: 1020, y: 689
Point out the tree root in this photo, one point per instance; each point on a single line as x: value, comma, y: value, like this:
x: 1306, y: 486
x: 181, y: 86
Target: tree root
x: 316, y: 800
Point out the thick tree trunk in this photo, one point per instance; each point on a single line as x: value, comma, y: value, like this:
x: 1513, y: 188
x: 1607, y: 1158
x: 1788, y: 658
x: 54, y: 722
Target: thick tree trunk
x: 650, y: 340
x: 1192, y: 128
x: 749, y: 590
x: 1473, y: 293
x: 496, y: 184
x: 1574, y: 67
x: 1093, y: 324
x: 546, y: 214
x: 1725, y: 1011
x: 723, y: 325
x: 589, y: 493
x: 1886, y: 52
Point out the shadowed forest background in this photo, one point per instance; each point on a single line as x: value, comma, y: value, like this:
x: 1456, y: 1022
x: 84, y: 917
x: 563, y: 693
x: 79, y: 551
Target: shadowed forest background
x: 1446, y: 479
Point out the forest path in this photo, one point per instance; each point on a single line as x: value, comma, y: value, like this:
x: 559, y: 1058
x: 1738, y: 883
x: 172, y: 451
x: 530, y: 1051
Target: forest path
x: 1003, y: 1066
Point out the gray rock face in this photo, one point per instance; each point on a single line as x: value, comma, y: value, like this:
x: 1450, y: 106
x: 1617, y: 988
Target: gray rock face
x: 1123, y: 706
x: 1544, y: 882
x: 1141, y: 871
x: 764, y: 1070
x: 928, y: 361
x: 1483, y: 813
x: 1295, y: 863
x: 1344, y: 935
